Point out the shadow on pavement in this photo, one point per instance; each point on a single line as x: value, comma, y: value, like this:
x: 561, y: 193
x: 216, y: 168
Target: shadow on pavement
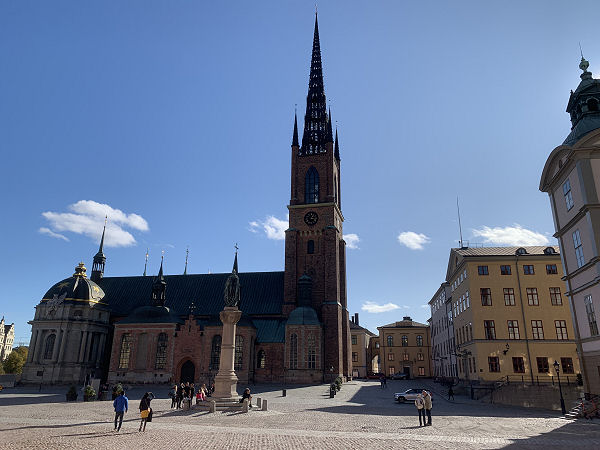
x: 577, y: 434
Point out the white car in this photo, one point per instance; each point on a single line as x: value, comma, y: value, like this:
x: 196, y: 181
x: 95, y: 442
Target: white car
x: 410, y: 395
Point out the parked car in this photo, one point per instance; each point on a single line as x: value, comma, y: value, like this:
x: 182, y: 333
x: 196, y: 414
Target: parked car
x: 374, y: 376
x: 399, y: 376
x: 409, y: 395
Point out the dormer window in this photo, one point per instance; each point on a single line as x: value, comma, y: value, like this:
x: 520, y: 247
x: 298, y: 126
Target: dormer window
x: 521, y: 251
x: 549, y: 251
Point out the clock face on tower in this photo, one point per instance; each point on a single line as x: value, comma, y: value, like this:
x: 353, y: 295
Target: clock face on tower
x: 311, y: 218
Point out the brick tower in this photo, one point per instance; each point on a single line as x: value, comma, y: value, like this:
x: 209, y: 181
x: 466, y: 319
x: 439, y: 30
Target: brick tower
x: 314, y: 243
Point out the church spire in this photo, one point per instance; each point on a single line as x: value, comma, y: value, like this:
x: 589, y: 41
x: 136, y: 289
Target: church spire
x: 329, y: 128
x: 159, y: 287
x: 295, y: 137
x: 315, y: 119
x: 99, y: 259
x: 336, y: 147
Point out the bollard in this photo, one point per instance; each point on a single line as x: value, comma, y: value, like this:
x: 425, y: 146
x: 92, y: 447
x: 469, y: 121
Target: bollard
x: 245, y: 405
x: 264, y: 404
x: 284, y: 393
x: 213, y: 406
x: 258, y: 402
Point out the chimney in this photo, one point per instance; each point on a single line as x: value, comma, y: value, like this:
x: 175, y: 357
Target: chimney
x: 356, y: 318
x: 407, y: 318
x: 352, y: 319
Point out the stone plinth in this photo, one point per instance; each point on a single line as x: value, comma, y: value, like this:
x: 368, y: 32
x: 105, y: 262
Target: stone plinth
x: 226, y: 379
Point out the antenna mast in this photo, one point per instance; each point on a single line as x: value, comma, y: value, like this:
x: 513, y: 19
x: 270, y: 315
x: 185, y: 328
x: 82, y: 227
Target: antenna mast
x: 460, y: 243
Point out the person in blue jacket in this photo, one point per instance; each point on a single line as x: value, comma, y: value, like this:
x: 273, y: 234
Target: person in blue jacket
x: 121, y: 405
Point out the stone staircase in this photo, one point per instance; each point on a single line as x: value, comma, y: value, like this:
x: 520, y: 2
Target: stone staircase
x: 585, y: 409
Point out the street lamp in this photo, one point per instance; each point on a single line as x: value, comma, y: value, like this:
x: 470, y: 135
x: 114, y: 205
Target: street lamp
x: 562, y: 400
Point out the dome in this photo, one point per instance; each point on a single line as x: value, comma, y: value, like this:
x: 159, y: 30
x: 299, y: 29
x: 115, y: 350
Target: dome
x: 77, y: 288
x: 303, y: 315
x: 152, y: 314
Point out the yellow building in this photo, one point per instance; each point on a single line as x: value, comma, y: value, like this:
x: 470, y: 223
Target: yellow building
x: 509, y: 314
x: 360, y: 339
x: 404, y: 347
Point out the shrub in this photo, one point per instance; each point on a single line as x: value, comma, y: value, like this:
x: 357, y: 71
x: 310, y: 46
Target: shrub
x: 72, y: 394
x: 89, y: 393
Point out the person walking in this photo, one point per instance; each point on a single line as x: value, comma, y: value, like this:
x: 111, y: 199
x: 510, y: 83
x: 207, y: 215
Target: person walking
x: 121, y: 405
x: 145, y: 410
x: 381, y: 380
x: 428, y: 405
x: 450, y: 393
x: 173, y: 395
x: 420, y: 404
x: 179, y: 395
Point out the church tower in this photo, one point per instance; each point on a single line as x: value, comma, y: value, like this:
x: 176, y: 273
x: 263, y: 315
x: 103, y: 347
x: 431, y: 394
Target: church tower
x: 314, y: 243
x: 99, y: 260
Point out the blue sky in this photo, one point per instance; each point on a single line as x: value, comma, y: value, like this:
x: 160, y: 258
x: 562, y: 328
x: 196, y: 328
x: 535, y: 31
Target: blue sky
x: 179, y: 115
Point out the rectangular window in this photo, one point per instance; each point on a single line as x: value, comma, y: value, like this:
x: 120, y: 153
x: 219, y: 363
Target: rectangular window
x: 486, y: 296
x: 391, y: 370
x: 509, y: 296
x: 568, y: 195
x: 551, y: 269
x: 532, y: 297
x: 561, y: 329
x: 578, y: 248
x: 518, y: 364
x: 354, y: 357
x: 555, y: 297
x: 482, y: 270
x: 405, y: 357
x: 421, y: 371
x: 490, y: 329
x: 504, y: 270
x: 494, y: 363
x: 537, y: 329
x: 420, y: 357
x: 513, y: 329
x: 354, y: 339
x: 542, y: 363
x: 591, y: 315
x: 528, y: 269
x: 567, y: 365
x: 390, y: 356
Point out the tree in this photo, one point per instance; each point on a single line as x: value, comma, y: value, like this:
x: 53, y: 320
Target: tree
x: 15, y: 361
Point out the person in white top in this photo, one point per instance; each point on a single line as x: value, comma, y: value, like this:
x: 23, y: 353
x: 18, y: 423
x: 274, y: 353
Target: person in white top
x: 420, y: 404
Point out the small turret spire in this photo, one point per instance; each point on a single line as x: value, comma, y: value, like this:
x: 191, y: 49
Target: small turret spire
x: 329, y: 137
x: 146, y: 263
x: 187, y: 253
x: 235, y: 263
x: 99, y: 259
x: 159, y: 287
x: 295, y: 142
x: 336, y: 146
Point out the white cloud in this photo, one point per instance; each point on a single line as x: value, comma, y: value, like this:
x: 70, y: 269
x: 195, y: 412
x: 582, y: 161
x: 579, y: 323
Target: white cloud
x: 352, y: 240
x: 49, y: 232
x: 273, y: 227
x: 373, y: 307
x: 412, y: 240
x: 515, y: 235
x: 87, y: 218
x: 425, y: 306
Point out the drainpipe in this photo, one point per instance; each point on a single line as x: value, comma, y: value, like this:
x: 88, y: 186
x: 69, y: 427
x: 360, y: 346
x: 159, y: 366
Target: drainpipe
x: 523, y: 315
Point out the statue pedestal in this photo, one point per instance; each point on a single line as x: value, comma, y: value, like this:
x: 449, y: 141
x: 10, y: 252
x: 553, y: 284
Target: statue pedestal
x: 226, y: 379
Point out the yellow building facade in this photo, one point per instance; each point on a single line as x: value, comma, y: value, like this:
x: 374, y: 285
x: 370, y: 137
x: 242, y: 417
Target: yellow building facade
x: 510, y: 316
x: 360, y: 339
x: 404, y: 347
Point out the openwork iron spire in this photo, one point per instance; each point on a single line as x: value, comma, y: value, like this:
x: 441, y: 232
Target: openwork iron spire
x: 315, y: 119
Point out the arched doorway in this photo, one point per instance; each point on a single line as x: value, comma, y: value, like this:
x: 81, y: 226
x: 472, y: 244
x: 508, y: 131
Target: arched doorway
x: 188, y: 371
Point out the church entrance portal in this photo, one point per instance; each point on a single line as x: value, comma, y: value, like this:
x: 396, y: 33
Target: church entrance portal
x: 188, y: 370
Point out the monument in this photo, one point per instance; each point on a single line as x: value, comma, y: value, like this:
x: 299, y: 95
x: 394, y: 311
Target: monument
x: 226, y: 379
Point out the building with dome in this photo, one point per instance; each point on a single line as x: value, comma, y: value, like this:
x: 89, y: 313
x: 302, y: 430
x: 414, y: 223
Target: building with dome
x: 294, y: 325
x: 571, y: 177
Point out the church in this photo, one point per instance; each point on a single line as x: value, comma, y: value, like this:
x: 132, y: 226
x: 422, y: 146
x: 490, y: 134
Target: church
x: 145, y: 329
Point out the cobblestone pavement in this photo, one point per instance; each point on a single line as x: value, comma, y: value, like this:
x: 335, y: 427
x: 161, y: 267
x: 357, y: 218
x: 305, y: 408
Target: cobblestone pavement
x: 361, y: 416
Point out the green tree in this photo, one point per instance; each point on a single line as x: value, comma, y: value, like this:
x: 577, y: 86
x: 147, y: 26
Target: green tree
x: 15, y: 361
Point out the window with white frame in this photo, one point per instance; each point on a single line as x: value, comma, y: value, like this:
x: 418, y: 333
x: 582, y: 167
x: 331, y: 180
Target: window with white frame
x: 568, y: 195
x: 578, y: 248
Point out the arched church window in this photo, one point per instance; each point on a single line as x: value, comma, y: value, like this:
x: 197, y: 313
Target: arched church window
x: 49, y: 348
x: 215, y: 352
x: 261, y: 361
x: 161, y: 351
x: 125, y: 351
x: 310, y: 247
x: 311, y: 186
x: 294, y: 351
x: 390, y: 341
x: 239, y: 352
x: 312, y: 352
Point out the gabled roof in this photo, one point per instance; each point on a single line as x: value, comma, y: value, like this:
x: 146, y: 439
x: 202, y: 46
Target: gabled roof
x: 261, y: 293
x: 353, y: 326
x: 404, y: 324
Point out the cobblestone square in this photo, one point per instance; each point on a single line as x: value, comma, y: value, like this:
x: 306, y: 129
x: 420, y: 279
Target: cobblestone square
x: 361, y: 416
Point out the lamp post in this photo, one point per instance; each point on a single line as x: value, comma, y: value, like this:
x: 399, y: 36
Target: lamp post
x: 562, y: 400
